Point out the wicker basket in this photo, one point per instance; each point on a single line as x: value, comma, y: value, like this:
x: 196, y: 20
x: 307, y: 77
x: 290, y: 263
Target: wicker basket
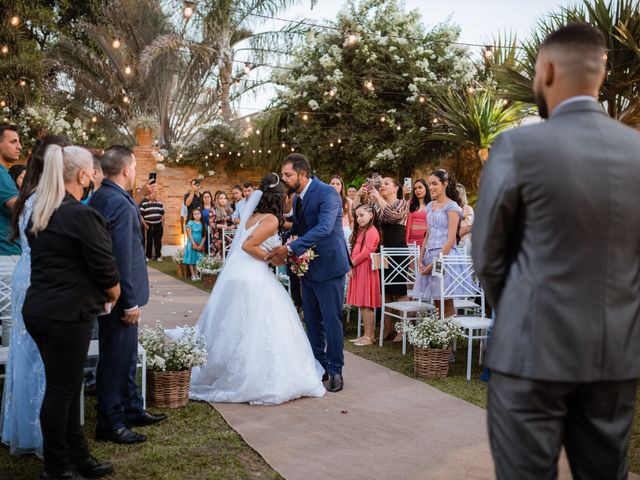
x: 168, y: 389
x: 208, y: 279
x: 431, y: 362
x: 182, y: 270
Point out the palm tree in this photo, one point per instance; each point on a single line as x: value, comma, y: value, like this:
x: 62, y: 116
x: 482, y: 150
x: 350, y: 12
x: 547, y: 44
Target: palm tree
x: 619, y: 21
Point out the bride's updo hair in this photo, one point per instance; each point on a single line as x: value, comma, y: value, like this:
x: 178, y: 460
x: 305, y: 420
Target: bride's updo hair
x: 272, y: 201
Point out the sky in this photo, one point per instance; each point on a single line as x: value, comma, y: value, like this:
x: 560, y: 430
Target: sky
x: 479, y: 20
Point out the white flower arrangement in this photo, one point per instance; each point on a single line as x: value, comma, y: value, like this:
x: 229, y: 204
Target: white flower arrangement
x: 166, y: 354
x: 178, y: 255
x: 431, y: 332
x: 210, y: 265
x: 313, y: 105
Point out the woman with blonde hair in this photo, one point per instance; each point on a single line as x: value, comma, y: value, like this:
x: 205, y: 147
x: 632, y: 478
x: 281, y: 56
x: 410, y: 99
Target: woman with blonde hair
x: 73, y: 278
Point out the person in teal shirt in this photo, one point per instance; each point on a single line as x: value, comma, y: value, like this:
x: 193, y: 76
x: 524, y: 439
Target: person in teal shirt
x: 10, y: 149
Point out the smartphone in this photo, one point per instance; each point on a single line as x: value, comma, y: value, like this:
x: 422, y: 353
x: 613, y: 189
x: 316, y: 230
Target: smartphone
x: 408, y: 182
x: 152, y: 177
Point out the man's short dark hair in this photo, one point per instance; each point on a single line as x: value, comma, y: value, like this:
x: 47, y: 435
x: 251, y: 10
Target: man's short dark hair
x: 195, y: 180
x: 7, y: 126
x: 115, y: 158
x: 97, y: 162
x: 248, y: 185
x: 236, y: 187
x: 298, y: 162
x: 576, y: 35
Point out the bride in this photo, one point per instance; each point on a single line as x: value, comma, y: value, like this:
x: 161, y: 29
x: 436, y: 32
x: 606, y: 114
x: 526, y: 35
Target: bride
x: 258, y: 351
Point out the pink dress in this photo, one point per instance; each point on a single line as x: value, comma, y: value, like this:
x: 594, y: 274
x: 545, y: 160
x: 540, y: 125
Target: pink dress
x: 364, y: 287
x: 416, y: 227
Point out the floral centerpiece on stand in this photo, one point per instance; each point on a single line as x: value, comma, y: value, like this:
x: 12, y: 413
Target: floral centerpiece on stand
x: 432, y: 339
x: 169, y: 364
x: 209, y: 267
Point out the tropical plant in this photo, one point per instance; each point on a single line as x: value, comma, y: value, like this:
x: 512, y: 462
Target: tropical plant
x: 619, y: 22
x: 473, y: 119
x: 354, y: 98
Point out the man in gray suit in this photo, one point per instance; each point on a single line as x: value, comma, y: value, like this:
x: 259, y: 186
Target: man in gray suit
x: 556, y: 245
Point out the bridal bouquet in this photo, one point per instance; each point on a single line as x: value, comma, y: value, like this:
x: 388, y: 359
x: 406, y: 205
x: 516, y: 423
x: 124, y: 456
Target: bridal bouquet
x: 300, y: 265
x: 168, y: 354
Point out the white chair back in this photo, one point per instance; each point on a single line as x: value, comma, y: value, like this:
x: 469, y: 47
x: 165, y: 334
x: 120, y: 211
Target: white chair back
x: 398, y: 266
x: 227, y: 239
x: 460, y: 275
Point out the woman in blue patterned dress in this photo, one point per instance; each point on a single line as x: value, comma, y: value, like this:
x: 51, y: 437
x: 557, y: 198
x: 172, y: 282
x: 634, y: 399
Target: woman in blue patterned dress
x: 444, y: 215
x: 25, y: 381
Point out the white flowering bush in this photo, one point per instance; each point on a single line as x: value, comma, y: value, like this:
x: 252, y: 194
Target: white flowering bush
x: 166, y: 354
x: 430, y: 331
x: 210, y: 265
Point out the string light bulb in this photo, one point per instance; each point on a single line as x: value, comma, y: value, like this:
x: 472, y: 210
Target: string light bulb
x: 127, y: 70
x: 15, y: 21
x: 435, y: 121
x: 116, y: 43
x: 352, y: 39
x: 283, y: 145
x: 333, y: 91
x: 305, y: 117
x: 269, y: 151
x: 383, y: 119
x: 4, y: 49
x: 471, y: 90
x: 421, y: 99
x: 331, y: 144
x: 293, y: 149
x: 126, y: 99
x: 258, y: 131
x: 368, y: 85
x: 248, y: 120
x: 339, y: 140
x: 94, y: 119
x: 23, y: 83
x: 3, y: 103
x: 222, y: 145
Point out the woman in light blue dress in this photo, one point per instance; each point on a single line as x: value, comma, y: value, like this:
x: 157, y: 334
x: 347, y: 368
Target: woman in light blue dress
x: 444, y: 215
x: 24, y: 382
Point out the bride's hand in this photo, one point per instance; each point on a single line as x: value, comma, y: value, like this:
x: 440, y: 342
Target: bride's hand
x: 278, y: 256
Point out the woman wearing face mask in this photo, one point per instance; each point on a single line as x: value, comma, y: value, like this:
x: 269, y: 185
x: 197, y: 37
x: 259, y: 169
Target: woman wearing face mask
x: 392, y: 212
x: 73, y: 278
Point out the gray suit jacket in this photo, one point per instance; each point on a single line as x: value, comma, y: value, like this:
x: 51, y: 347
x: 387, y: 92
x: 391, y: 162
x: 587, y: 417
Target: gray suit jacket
x: 556, y: 245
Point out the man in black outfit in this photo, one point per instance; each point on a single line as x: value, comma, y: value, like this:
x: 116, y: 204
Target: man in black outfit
x: 152, y: 213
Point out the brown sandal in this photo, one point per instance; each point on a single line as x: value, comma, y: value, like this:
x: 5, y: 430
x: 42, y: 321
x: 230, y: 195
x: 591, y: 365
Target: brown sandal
x: 364, y: 338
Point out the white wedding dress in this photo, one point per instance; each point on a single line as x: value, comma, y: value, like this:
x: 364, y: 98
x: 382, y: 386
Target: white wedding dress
x: 257, y: 349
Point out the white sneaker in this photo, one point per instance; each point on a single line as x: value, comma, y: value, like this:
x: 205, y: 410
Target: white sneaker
x: 159, y: 259
x: 194, y: 278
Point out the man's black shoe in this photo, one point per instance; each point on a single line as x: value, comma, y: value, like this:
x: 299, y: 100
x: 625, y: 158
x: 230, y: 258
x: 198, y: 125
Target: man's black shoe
x: 145, y: 419
x: 70, y: 475
x: 92, y: 468
x: 122, y: 435
x: 335, y: 383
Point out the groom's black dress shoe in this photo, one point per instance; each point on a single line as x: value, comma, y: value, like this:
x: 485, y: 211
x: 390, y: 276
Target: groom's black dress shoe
x: 145, y: 419
x: 69, y: 475
x: 335, y: 383
x: 122, y: 435
x: 92, y: 468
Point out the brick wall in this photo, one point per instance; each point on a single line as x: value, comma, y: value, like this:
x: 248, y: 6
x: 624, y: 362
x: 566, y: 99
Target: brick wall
x: 174, y: 181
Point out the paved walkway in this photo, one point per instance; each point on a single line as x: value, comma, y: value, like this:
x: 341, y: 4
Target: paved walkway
x: 383, y: 424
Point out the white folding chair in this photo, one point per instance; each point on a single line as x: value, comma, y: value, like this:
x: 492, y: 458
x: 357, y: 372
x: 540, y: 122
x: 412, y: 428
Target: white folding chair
x: 227, y: 240
x: 401, y: 265
x: 94, y: 352
x: 462, y: 286
x: 5, y: 310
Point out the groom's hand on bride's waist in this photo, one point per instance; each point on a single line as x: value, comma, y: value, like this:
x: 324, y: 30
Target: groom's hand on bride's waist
x: 278, y: 256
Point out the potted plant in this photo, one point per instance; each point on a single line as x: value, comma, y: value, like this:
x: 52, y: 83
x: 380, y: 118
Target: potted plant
x: 209, y: 268
x: 181, y: 269
x: 145, y: 128
x: 432, y: 339
x: 169, y: 363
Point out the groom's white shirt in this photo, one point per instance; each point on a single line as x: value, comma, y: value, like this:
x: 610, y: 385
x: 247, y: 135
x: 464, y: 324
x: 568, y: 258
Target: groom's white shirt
x: 304, y: 190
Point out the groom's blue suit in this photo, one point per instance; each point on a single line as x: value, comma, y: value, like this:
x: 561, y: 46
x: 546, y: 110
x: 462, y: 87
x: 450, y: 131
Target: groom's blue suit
x: 318, y: 225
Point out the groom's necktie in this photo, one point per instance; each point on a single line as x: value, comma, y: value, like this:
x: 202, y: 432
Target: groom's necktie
x: 298, y: 206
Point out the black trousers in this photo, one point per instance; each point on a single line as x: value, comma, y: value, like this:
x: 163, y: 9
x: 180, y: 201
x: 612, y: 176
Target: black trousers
x: 153, y: 239
x: 530, y: 421
x: 63, y: 347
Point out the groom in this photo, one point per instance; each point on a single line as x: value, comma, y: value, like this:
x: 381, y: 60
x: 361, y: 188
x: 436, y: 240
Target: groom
x: 317, y: 211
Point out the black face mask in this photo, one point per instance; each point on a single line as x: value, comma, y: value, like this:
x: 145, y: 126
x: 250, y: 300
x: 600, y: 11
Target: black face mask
x: 86, y: 191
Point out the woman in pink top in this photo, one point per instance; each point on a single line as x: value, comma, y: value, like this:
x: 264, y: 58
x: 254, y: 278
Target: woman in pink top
x: 417, y: 220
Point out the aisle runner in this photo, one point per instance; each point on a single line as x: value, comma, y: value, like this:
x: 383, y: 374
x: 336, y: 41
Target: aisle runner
x: 383, y: 425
